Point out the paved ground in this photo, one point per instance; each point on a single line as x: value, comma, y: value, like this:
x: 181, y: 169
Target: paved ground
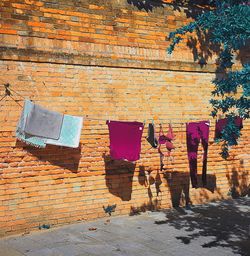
x: 216, y: 229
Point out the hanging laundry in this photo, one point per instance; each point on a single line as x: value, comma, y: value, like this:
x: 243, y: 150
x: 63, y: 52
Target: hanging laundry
x: 169, y: 145
x: 167, y: 141
x: 151, y: 138
x: 195, y: 132
x: 125, y: 140
x: 162, y: 138
x: 69, y: 127
x: 20, y: 133
x: 43, y: 123
x: 221, y: 123
x: 70, y: 132
x: 170, y: 136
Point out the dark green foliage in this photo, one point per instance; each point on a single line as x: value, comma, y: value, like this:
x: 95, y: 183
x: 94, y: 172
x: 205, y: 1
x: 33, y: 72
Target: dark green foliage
x: 228, y: 26
x: 232, y: 133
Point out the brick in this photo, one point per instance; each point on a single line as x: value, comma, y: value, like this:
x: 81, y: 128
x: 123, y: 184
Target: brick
x: 8, y: 31
x: 36, y: 24
x: 95, y: 7
x: 20, y: 17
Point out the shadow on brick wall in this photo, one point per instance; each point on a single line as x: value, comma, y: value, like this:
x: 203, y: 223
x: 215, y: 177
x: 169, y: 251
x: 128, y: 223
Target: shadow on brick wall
x: 153, y: 205
x: 119, y: 177
x: 149, y: 181
x: 179, y: 184
x: 200, y: 46
x: 238, y: 180
x: 147, y: 5
x: 146, y: 179
x: 192, y: 7
x: 64, y: 157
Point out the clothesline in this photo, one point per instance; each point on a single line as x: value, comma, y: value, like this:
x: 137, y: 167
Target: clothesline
x: 8, y: 91
x: 158, y: 120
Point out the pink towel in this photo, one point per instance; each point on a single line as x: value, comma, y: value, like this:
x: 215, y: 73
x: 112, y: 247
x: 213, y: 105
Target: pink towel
x: 125, y: 140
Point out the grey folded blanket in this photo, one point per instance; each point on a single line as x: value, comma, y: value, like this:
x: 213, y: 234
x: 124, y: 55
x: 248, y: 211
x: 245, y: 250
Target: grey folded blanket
x: 43, y: 123
x: 21, y: 135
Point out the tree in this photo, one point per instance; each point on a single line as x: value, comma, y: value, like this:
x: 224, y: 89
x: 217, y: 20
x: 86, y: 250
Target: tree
x: 226, y: 24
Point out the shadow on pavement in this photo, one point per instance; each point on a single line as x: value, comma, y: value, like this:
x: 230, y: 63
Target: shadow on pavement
x: 225, y: 224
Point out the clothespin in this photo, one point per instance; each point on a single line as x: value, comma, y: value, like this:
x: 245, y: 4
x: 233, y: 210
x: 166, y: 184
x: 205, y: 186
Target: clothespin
x: 152, y: 121
x: 144, y: 122
x: 8, y: 93
x: 7, y: 89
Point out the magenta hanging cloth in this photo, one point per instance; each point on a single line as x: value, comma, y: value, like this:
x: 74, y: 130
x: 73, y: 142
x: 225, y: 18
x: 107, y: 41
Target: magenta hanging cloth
x: 221, y: 123
x: 125, y: 140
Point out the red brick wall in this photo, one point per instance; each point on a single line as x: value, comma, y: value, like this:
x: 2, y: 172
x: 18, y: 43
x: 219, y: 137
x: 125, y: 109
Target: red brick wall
x: 104, y: 61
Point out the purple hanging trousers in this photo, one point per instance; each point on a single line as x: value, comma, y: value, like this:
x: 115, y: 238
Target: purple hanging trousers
x: 125, y: 140
x: 197, y: 131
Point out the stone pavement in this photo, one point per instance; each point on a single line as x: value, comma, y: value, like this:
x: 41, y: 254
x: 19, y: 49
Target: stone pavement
x: 215, y: 229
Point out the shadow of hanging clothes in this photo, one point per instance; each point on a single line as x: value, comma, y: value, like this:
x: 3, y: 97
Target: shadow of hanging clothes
x: 153, y: 205
x: 211, y: 182
x: 147, y: 179
x: 158, y: 183
x: 119, y: 177
x: 64, y: 157
x: 178, y: 183
x: 142, y: 176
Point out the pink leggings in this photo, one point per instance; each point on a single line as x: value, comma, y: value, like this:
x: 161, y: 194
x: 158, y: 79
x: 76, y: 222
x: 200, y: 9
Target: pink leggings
x: 197, y: 131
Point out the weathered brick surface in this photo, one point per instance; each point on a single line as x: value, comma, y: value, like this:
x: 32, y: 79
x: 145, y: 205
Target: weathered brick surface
x: 104, y: 61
